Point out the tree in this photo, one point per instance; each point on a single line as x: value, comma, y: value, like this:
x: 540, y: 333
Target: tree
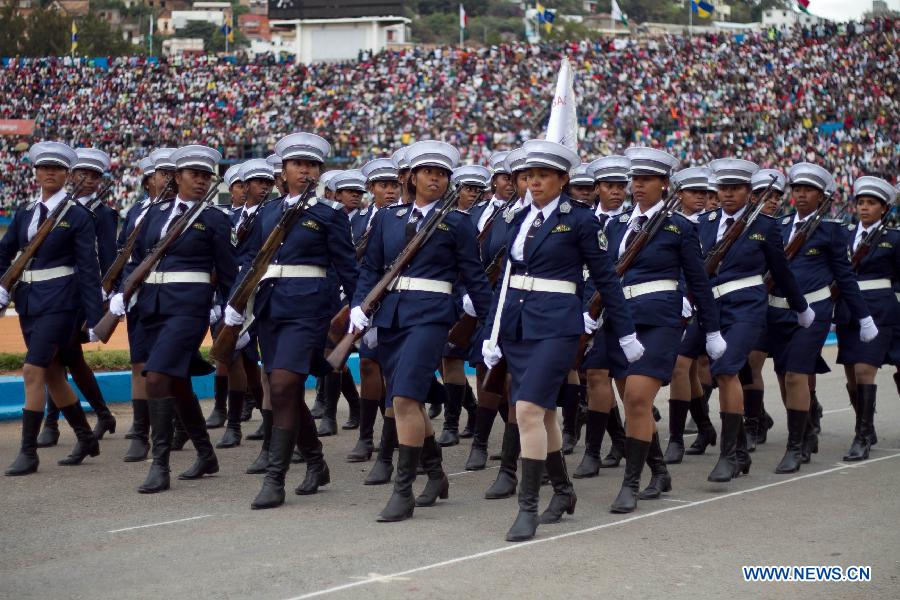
x: 12, y: 27
x: 48, y: 33
x: 96, y: 37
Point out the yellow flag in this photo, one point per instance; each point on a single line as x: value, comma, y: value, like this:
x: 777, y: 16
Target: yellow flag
x: 74, y: 38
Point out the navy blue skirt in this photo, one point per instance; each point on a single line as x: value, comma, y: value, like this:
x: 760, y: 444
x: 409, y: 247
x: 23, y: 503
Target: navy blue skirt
x: 597, y: 355
x: 795, y: 349
x: 46, y: 335
x: 894, y: 353
x: 172, y: 342
x: 741, y: 338
x: 366, y: 352
x: 539, y: 368
x: 409, y: 356
x: 852, y: 351
x: 660, y: 352
x: 296, y: 345
x: 137, y: 342
x: 693, y: 344
x: 482, y: 332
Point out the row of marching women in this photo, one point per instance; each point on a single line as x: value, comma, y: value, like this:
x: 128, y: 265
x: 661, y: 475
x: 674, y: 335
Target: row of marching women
x: 530, y: 269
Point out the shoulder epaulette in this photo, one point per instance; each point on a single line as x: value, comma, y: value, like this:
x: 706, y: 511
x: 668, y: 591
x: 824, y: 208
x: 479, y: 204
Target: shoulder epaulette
x: 330, y: 203
x: 401, y: 205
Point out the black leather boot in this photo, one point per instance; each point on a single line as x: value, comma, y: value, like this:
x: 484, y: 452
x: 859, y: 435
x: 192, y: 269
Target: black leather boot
x: 726, y: 468
x: 365, y: 444
x: 635, y: 455
x: 897, y: 381
x: 470, y: 404
x: 796, y: 421
x: 87, y: 444
x: 27, y: 461
x: 328, y: 423
x: 742, y: 453
x: 438, y: 486
x: 232, y: 436
x: 262, y: 461
x: 348, y: 389
x: 49, y: 435
x: 505, y: 484
x: 139, y: 447
x: 678, y: 411
x: 401, y: 504
x: 752, y: 415
x: 616, y: 431
x: 260, y: 431
x: 219, y: 413
x: 247, y: 406
x: 317, y: 472
x: 660, y: 479
x: 318, y: 407
x: 526, y: 523
x: 593, y: 438
x: 162, y: 413
x: 568, y: 402
x: 206, y: 462
x: 106, y: 422
x: 280, y: 447
x: 564, y: 498
x: 865, y: 423
x: 706, y: 433
x: 383, y: 468
x: 437, y: 395
x: 180, y: 437
x: 452, y: 410
x: 815, y: 413
x: 484, y: 422
x: 766, y: 422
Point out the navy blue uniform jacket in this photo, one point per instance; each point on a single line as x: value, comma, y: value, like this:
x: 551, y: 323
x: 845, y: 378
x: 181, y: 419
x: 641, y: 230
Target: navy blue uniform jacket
x: 882, y: 262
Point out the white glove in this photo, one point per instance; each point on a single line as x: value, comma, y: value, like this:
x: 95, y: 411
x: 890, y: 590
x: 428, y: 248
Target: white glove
x: 468, y: 307
x: 715, y: 345
x: 242, y: 341
x: 806, y: 318
x: 632, y: 347
x: 370, y: 339
x: 92, y: 337
x: 233, y: 317
x: 686, y: 308
x: 867, y: 330
x: 4, y: 297
x: 491, y: 354
x: 215, y: 313
x: 358, y: 319
x: 117, y: 304
x: 590, y: 325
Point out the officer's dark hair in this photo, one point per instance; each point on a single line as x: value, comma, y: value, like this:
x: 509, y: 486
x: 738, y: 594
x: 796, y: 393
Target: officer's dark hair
x: 410, y: 181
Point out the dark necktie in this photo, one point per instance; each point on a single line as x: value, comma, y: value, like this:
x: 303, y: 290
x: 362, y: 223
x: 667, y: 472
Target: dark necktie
x: 44, y: 211
x: 413, y: 224
x: 529, y: 237
x: 603, y: 217
x: 634, y: 231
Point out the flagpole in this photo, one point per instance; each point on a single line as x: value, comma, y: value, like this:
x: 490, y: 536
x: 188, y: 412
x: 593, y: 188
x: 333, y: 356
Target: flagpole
x: 691, y: 18
x: 227, y: 33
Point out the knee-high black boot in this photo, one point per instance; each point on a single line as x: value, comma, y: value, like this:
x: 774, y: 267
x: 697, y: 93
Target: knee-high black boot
x: 752, y: 415
x: 87, y: 444
x: 635, y: 456
x: 318, y: 408
x: 706, y: 433
x: 470, y: 404
x: 568, y: 402
x: 365, y: 444
x: 383, y: 469
x: 678, y: 411
x: 437, y: 395
x: 317, y: 473
x: 280, y: 448
x: 161, y: 412
x: 564, y: 498
x: 348, y: 389
x: 593, y: 438
x: 206, y: 462
x: 328, y: 423
x: 726, y: 468
x: 49, y: 435
x: 766, y: 422
x: 865, y: 423
x: 438, y: 486
x: 526, y: 523
x: 27, y: 461
x: 660, y: 480
x: 180, y: 435
x: 452, y: 410
x: 505, y: 484
x: 232, y: 436
x: 484, y: 422
x: 219, y: 413
x: 401, y: 504
x: 106, y: 422
x: 140, y: 440
x: 262, y: 461
x: 790, y: 462
x: 616, y: 431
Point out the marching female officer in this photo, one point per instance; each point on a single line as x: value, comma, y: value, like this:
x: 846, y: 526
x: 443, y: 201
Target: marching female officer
x: 293, y: 309
x: 877, y: 273
x: 652, y: 285
x: 821, y: 260
x: 537, y: 312
x: 414, y: 318
x: 48, y: 297
x: 174, y: 305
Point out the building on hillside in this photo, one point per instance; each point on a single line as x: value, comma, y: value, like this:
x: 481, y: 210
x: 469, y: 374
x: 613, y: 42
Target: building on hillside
x: 331, y: 40
x: 782, y: 18
x: 180, y: 18
x: 255, y: 27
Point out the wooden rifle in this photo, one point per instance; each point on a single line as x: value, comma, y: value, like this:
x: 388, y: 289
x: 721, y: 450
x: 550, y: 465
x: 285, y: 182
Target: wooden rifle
x: 108, y: 282
x: 226, y: 338
x: 20, y: 264
x: 717, y: 253
x: 338, y: 356
x: 108, y: 323
x: 243, y: 230
x: 804, y: 233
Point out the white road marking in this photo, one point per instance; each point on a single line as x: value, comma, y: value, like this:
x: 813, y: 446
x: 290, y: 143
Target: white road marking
x: 470, y: 472
x: 836, y: 410
x: 158, y: 524
x: 512, y: 547
x: 676, y: 500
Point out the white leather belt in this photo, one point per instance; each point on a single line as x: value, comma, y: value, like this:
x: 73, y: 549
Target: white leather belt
x: 163, y: 277
x: 46, y: 274
x: 811, y: 298
x: 280, y: 271
x: 650, y: 287
x: 537, y: 284
x: 737, y: 284
x: 875, y: 284
x: 418, y: 284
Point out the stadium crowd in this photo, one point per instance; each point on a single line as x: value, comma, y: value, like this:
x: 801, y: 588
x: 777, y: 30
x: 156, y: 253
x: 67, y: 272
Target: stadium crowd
x: 818, y: 95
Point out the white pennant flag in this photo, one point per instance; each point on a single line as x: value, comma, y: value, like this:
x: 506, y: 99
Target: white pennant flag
x: 563, y: 125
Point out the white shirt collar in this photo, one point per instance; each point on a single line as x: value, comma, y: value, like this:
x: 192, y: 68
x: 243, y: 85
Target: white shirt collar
x: 249, y: 210
x: 54, y: 200
x: 649, y: 214
x: 736, y: 215
x: 188, y: 203
x: 862, y: 230
x: 497, y: 202
x: 547, y: 210
x: 291, y: 200
x: 610, y: 214
x: 85, y: 200
x: 424, y: 210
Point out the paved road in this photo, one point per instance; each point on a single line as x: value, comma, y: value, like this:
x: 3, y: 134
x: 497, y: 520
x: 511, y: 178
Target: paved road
x: 84, y: 532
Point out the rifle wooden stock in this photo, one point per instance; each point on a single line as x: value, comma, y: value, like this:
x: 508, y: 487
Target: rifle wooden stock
x: 339, y: 324
x: 462, y: 331
x: 338, y: 356
x: 224, y: 344
x: 495, y: 379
